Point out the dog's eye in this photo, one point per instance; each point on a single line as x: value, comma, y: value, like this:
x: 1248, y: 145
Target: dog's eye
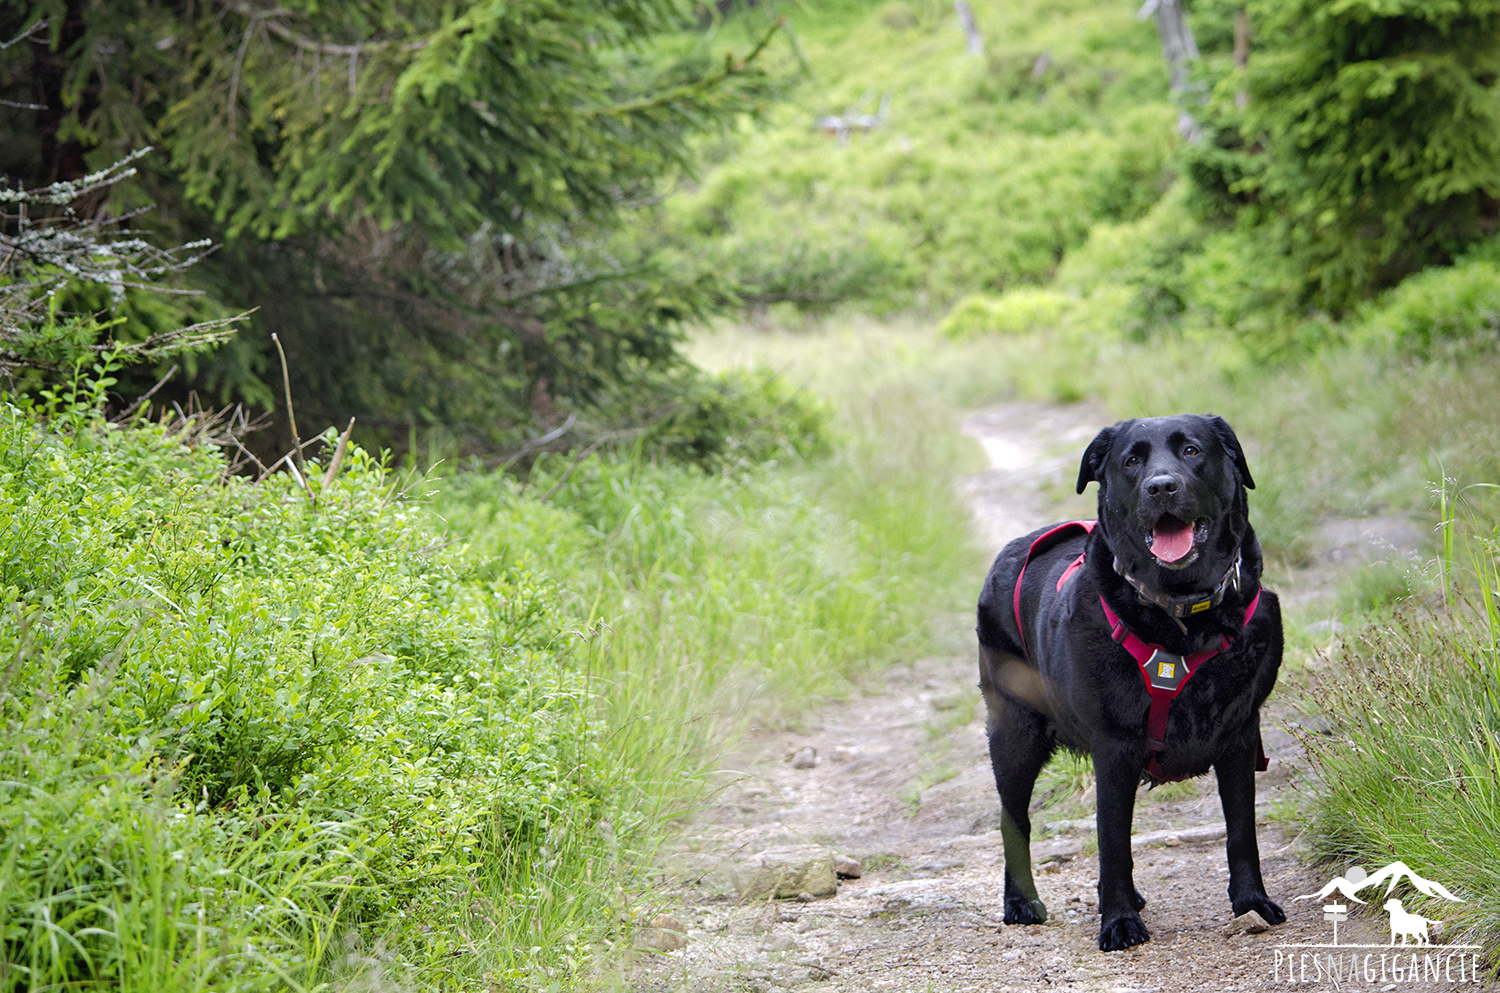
x: 1190, y: 450
x: 1132, y: 461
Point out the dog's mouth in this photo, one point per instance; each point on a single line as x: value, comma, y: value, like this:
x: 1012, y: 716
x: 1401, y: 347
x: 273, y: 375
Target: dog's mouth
x: 1173, y: 541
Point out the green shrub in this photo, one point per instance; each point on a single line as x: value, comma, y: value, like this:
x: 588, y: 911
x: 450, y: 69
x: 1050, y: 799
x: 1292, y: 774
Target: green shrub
x: 741, y: 419
x: 983, y: 174
x: 1381, y: 133
x: 1019, y: 311
x: 221, y: 694
x: 1454, y: 305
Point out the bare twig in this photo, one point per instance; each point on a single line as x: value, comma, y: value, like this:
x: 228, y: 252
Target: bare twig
x: 239, y: 63
x: 291, y: 416
x: 251, y: 456
x: 29, y: 32
x: 576, y: 461
x: 536, y: 443
x: 300, y: 481
x: 130, y: 410
x: 974, y: 41
x: 278, y: 463
x: 436, y: 547
x: 338, y: 455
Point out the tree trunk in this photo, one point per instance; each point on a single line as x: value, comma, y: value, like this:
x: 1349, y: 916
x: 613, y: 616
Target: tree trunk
x: 971, y: 30
x: 1178, y: 47
x: 1241, y: 50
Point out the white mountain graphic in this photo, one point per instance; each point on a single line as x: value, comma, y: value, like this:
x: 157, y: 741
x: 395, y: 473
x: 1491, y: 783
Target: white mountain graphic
x: 1356, y: 880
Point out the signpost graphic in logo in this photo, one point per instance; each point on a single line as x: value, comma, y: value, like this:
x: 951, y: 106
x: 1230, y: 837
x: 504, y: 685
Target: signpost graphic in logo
x: 1416, y: 959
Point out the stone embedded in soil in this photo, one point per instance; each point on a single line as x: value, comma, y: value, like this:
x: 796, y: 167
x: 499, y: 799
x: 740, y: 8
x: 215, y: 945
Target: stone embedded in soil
x: 847, y: 868
x: 805, y: 758
x: 781, y: 943
x: 1246, y: 923
x: 1056, y: 850
x: 785, y: 872
x: 666, y: 934
x: 914, y: 895
x: 935, y: 867
x: 1180, y: 836
x: 946, y: 701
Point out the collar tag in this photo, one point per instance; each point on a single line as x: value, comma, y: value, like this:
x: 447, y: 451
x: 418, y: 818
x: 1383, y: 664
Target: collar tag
x: 1165, y: 670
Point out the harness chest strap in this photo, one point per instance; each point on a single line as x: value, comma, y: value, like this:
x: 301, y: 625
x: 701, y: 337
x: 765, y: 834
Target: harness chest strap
x: 1165, y: 674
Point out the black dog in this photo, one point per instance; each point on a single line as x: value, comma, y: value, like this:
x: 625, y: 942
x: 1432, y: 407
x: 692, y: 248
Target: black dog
x: 1168, y: 584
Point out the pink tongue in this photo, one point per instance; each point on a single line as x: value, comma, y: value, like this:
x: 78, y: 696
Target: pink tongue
x: 1169, y: 546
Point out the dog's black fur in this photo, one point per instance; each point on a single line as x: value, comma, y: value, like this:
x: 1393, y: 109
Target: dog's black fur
x: 1080, y: 690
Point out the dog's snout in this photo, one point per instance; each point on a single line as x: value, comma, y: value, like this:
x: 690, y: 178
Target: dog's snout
x: 1163, y: 485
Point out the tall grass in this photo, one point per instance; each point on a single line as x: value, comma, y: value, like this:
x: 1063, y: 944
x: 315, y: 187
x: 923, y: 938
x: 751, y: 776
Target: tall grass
x: 249, y: 740
x: 717, y: 598
x: 707, y: 601
x: 1412, y: 770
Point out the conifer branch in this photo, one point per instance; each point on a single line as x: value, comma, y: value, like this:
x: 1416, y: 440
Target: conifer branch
x: 267, y: 18
x: 732, y: 67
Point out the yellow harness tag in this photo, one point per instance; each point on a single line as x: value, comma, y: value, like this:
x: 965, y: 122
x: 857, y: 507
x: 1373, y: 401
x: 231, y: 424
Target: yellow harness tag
x: 1199, y: 608
x: 1166, y: 670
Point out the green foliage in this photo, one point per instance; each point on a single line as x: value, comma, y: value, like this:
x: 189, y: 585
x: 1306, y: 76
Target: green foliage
x: 413, y: 194
x: 739, y: 419
x: 1410, y: 772
x: 1020, y: 310
x: 221, y: 694
x: 423, y: 114
x: 1446, y: 307
x: 252, y: 739
x: 1381, y: 128
x: 983, y: 173
x: 59, y: 271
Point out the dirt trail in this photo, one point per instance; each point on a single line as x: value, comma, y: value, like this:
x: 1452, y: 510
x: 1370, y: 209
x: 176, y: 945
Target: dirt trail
x: 902, y: 783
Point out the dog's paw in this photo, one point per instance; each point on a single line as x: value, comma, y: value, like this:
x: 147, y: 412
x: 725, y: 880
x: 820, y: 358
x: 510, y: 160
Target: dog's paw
x: 1121, y: 933
x: 1136, y: 898
x: 1019, y: 910
x: 1262, y: 905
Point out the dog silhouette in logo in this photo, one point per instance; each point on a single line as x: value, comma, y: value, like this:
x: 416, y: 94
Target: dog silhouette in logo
x: 1405, y: 924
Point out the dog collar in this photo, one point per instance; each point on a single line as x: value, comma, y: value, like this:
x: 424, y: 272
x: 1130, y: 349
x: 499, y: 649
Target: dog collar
x: 1178, y: 607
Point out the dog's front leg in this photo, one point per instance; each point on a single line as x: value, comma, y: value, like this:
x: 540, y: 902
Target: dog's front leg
x: 1235, y: 769
x: 1117, y: 771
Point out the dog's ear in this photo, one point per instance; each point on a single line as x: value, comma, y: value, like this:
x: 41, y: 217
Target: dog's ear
x: 1231, y: 445
x: 1091, y: 469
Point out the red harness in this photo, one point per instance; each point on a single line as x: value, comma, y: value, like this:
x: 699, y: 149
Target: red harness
x: 1164, y: 672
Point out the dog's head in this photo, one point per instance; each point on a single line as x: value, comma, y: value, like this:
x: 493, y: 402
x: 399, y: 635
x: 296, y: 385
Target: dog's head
x: 1171, y: 496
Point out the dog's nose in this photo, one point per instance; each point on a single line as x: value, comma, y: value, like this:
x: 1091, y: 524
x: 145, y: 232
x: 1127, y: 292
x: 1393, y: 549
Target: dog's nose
x: 1160, y: 486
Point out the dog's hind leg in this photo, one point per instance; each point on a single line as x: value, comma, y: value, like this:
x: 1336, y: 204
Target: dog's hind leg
x: 1020, y: 745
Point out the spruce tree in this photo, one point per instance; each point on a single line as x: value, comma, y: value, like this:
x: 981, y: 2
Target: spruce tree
x: 417, y: 194
x: 1376, y: 126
